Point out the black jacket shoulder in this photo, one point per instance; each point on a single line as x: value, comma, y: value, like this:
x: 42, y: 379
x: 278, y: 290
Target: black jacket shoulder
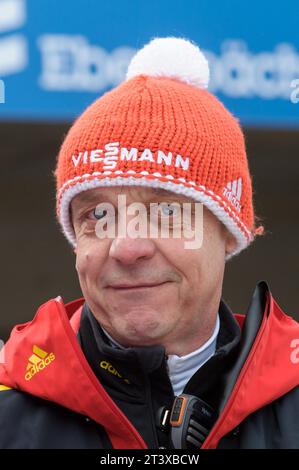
x: 275, y: 426
x: 28, y: 422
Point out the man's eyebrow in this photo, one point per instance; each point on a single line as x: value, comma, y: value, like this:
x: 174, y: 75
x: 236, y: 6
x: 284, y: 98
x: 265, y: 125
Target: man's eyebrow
x: 165, y: 193
x: 162, y: 192
x: 87, y: 198
x: 171, y: 196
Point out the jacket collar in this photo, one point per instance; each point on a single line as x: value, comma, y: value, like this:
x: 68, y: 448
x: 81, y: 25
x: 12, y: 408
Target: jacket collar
x: 265, y: 363
x: 67, y: 378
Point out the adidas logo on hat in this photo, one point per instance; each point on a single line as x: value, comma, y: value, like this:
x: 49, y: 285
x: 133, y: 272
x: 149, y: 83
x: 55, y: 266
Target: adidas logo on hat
x: 233, y: 192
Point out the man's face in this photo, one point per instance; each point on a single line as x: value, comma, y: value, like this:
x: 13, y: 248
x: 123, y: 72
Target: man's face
x: 147, y: 291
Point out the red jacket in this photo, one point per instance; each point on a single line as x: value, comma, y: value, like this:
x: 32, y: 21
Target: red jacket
x: 270, y: 370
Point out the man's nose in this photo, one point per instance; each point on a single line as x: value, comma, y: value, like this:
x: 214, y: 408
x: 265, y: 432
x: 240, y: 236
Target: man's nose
x: 129, y: 250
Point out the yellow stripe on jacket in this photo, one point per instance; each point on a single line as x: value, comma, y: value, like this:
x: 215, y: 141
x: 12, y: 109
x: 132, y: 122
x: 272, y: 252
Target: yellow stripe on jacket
x: 4, y: 387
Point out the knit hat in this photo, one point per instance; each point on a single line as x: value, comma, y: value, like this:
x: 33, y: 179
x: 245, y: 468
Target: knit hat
x: 161, y: 128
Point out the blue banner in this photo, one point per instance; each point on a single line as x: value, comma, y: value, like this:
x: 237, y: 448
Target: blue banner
x: 57, y: 56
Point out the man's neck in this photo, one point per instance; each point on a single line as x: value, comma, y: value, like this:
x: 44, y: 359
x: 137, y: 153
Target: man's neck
x: 181, y: 368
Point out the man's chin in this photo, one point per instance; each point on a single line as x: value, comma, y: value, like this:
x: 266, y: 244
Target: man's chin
x: 148, y: 334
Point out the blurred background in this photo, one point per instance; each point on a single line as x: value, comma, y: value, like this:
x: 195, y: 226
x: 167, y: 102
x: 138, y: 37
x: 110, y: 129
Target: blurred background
x: 57, y: 56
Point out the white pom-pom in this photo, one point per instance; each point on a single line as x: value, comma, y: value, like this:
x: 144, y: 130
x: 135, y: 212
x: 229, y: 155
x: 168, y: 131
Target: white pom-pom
x: 171, y: 57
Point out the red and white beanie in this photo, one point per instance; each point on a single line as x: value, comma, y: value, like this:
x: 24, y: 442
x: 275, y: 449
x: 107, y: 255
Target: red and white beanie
x: 162, y: 128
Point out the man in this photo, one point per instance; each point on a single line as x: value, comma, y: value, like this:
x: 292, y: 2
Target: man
x: 152, y: 356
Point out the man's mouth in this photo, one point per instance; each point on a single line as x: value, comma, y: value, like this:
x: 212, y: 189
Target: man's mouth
x: 125, y: 286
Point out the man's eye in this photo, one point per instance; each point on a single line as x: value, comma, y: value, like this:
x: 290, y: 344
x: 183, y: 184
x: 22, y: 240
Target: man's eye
x: 99, y: 213
x: 169, y: 210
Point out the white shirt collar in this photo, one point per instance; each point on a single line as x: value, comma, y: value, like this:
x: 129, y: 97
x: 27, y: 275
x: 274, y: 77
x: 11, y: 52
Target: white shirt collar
x: 182, y: 368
